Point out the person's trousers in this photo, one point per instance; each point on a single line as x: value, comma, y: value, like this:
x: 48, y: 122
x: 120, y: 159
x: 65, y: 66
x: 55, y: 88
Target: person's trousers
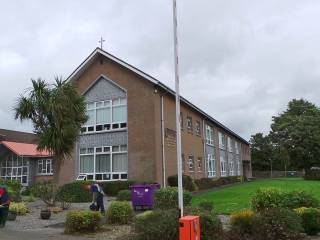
x: 3, y: 216
x: 100, y: 205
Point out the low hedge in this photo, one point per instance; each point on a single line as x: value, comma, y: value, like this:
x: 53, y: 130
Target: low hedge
x: 112, y: 188
x: 268, y: 198
x: 120, y: 212
x: 271, y: 224
x: 124, y: 195
x: 74, y: 192
x: 310, y: 220
x: 157, y: 224
x: 167, y: 198
x: 207, y: 183
x: 82, y: 221
x: 312, y: 174
x: 187, y: 182
x: 20, y: 208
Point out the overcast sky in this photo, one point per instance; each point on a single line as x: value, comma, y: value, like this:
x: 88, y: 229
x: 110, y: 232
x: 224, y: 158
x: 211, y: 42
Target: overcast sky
x: 241, y: 61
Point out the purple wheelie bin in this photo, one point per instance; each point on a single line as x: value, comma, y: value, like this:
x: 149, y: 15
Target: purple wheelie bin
x: 142, y: 195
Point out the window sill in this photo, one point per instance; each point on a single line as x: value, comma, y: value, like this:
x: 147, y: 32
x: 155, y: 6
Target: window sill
x: 105, y: 131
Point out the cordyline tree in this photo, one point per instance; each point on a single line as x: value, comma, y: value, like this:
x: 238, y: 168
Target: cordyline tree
x: 57, y: 112
x: 296, y: 132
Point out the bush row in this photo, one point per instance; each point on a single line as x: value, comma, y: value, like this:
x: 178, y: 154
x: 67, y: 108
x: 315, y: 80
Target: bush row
x: 207, y: 183
x: 312, y: 174
x: 271, y: 224
x: 268, y: 198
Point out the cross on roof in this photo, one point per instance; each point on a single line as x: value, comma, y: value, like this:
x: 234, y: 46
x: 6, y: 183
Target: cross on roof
x: 101, y: 41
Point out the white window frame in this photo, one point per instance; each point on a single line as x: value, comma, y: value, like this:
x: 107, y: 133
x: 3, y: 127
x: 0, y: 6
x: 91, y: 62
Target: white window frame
x: 106, y: 176
x: 12, y: 168
x: 222, y: 141
x: 44, y: 162
x: 209, y: 135
x: 199, y: 160
x: 110, y: 125
x: 230, y: 148
x: 211, y: 161
x: 198, y: 128
x: 237, y: 147
x: 191, y: 164
x: 189, y: 124
x: 223, y: 163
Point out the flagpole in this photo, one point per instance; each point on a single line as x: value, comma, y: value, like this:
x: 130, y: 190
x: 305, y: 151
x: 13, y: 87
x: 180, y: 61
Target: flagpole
x: 178, y: 128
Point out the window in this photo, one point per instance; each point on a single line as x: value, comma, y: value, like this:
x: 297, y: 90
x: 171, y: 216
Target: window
x: 238, y: 162
x: 189, y: 124
x: 45, y: 167
x: 231, y: 168
x: 237, y: 147
x: 106, y: 115
x: 181, y: 120
x: 222, y: 141
x: 104, y: 163
x: 209, y: 135
x: 199, y: 164
x: 198, y: 128
x: 14, y: 167
x: 230, y: 148
x: 183, y: 162
x: 223, y: 163
x: 211, y: 165
x: 191, y: 163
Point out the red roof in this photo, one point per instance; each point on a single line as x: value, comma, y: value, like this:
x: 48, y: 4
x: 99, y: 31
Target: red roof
x: 25, y: 149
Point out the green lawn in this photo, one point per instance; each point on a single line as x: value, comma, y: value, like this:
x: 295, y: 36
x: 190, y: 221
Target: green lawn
x: 235, y: 198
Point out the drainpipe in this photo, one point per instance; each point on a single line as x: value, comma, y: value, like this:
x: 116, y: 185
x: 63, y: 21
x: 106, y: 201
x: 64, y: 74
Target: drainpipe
x: 162, y: 143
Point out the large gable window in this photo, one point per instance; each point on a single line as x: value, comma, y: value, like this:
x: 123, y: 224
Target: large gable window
x: 106, y: 115
x: 104, y: 163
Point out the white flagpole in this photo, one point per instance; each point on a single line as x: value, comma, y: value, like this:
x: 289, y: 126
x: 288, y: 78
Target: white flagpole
x: 178, y: 129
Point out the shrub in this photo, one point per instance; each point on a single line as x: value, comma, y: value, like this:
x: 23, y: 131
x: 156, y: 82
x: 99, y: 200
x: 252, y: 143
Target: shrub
x: 155, y: 225
x: 310, y: 220
x: 120, y: 212
x: 19, y: 208
x: 112, y: 188
x: 26, y: 191
x: 14, y: 188
x: 46, y: 191
x: 207, y: 183
x: 242, y: 222
x: 167, y: 198
x: 74, y: 192
x: 82, y: 221
x: 206, y: 205
x: 187, y: 182
x: 312, y: 174
x: 266, y: 198
x: 210, y: 224
x: 277, y: 224
x: 297, y: 199
x: 124, y: 195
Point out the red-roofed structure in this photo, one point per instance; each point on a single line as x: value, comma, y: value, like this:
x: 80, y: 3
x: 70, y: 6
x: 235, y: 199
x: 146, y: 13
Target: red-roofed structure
x: 25, y: 149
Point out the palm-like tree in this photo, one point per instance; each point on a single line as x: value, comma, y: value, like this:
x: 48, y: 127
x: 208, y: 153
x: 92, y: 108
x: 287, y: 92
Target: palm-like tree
x: 57, y: 112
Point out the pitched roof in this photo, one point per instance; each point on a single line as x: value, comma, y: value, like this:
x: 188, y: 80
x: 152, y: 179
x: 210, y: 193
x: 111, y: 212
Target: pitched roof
x: 25, y: 149
x: 16, y: 136
x: 98, y: 51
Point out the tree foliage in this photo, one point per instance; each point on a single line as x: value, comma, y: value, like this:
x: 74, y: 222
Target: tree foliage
x: 57, y: 112
x: 294, y: 139
x: 297, y: 131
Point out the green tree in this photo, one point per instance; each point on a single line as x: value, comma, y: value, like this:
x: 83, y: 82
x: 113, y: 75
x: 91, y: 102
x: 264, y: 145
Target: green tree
x: 297, y: 131
x: 261, y: 152
x: 57, y: 113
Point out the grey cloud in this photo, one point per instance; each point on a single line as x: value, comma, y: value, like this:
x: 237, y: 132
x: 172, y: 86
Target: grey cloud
x: 241, y: 61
